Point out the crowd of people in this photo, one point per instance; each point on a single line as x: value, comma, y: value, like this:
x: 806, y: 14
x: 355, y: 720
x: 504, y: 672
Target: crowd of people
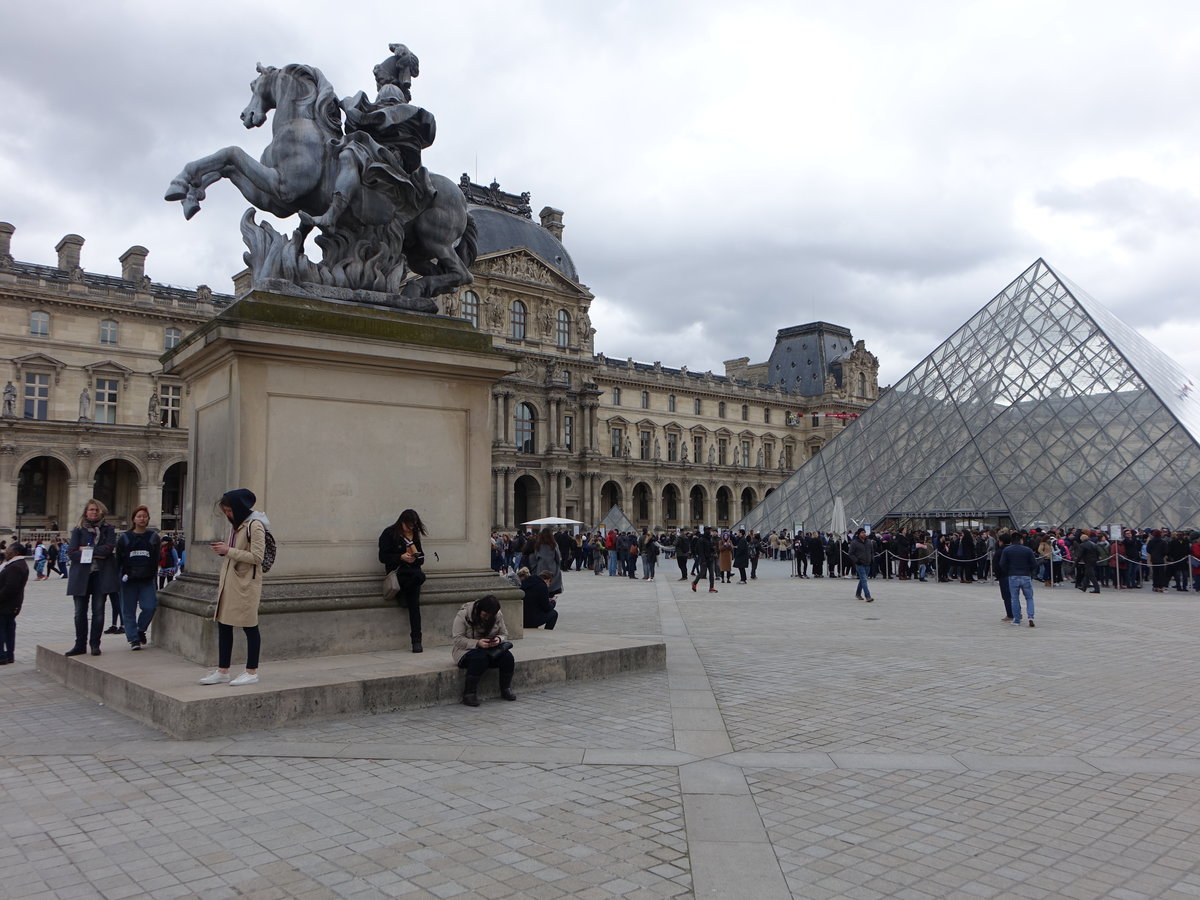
x: 102, y: 566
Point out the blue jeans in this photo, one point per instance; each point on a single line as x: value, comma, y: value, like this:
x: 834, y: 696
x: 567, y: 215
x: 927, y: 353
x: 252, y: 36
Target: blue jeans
x: 612, y: 562
x: 135, y: 595
x: 1017, y: 584
x: 863, y: 589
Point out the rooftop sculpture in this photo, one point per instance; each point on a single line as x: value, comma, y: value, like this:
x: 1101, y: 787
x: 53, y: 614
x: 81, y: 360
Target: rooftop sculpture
x: 391, y: 232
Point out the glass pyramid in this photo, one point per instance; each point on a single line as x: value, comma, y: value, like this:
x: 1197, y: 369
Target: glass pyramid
x: 1043, y: 409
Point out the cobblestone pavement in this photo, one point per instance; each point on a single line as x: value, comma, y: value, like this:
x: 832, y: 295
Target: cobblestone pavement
x: 800, y: 744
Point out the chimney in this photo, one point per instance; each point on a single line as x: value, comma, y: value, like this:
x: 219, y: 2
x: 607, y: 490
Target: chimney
x: 6, y: 233
x: 552, y: 221
x: 133, y: 263
x: 68, y: 252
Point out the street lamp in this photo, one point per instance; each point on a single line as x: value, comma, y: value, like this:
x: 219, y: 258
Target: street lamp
x: 20, y: 512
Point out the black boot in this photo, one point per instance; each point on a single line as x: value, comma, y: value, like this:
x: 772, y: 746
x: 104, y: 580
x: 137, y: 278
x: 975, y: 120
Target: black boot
x: 470, y: 696
x: 506, y: 686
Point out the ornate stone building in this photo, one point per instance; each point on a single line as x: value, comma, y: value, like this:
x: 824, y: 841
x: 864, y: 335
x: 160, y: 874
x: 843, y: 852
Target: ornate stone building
x: 87, y: 410
x: 574, y: 432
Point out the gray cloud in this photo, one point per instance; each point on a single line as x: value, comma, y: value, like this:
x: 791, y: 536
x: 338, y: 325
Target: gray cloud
x: 724, y: 174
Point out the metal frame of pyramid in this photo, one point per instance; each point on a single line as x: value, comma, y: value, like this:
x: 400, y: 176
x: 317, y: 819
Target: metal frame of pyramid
x: 1043, y: 407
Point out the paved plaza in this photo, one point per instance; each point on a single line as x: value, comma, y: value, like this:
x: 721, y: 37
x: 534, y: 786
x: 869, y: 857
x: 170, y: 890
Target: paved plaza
x: 799, y: 744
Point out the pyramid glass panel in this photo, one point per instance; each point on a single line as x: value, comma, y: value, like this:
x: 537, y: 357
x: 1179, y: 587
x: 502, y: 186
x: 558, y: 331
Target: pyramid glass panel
x: 1043, y: 406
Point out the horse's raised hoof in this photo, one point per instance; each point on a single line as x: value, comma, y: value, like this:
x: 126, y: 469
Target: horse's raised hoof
x: 190, y: 207
x: 177, y: 190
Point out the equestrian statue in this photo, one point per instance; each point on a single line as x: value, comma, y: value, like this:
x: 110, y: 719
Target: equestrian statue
x: 391, y: 232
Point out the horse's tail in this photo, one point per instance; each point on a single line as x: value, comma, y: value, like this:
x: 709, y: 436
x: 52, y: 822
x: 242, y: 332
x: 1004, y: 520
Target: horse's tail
x: 468, y: 244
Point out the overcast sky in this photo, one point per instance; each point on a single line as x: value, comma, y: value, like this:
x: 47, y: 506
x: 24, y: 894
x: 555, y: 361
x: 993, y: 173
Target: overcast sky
x: 724, y: 171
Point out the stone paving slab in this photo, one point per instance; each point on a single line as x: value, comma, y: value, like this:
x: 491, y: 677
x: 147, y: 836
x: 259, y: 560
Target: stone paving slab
x: 914, y: 748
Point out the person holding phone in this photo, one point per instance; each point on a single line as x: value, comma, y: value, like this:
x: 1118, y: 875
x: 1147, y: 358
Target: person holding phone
x: 481, y: 643
x: 400, y: 551
x: 239, y: 585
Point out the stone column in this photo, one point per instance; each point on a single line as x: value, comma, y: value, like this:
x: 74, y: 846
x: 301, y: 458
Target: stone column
x: 507, y: 493
x: 593, y: 425
x: 8, y: 487
x: 498, y: 497
x: 506, y: 414
x: 552, y: 493
x: 498, y: 413
x: 656, y: 502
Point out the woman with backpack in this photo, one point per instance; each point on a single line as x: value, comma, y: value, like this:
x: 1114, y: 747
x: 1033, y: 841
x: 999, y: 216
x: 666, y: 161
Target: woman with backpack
x: 239, y: 586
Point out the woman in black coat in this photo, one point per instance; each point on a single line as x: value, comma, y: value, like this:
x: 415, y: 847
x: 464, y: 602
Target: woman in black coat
x: 400, y: 551
x: 93, y: 574
x: 14, y: 573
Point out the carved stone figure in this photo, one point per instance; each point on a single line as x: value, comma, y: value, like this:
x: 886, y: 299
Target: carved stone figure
x: 782, y: 460
x: 657, y: 449
x: 683, y: 452
x: 628, y: 448
x: 712, y: 454
x: 759, y: 463
x: 391, y: 232
x: 85, y: 405
x: 10, y: 401
x: 152, y: 409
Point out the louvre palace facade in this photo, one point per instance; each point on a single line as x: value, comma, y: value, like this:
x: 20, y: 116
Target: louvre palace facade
x: 88, y: 411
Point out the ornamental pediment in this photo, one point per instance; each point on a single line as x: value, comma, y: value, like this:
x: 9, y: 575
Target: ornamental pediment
x: 523, y: 265
x: 38, y: 359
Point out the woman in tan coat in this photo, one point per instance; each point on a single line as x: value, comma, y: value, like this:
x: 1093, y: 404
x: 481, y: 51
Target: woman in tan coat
x: 239, y: 588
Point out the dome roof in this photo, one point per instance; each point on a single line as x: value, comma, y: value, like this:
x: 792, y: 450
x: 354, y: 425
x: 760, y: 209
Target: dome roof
x: 499, y: 230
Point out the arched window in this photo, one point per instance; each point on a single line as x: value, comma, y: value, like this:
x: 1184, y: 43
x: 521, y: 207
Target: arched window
x: 562, y: 331
x: 745, y: 413
x: 523, y: 427
x: 862, y: 384
x: 518, y: 316
x: 470, y: 307
x: 670, y: 403
x: 39, y: 324
x: 721, y: 409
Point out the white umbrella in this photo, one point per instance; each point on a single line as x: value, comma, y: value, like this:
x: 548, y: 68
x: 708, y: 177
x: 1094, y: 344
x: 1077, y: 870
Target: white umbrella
x: 552, y: 520
x: 838, y: 525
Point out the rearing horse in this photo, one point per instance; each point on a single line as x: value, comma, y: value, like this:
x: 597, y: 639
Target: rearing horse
x: 297, y: 172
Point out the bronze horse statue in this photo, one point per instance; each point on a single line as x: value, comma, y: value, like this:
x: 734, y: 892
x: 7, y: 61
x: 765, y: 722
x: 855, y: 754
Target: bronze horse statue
x: 373, y: 243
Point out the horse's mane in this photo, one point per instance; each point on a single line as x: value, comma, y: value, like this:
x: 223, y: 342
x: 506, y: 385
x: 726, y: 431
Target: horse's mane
x: 327, y: 111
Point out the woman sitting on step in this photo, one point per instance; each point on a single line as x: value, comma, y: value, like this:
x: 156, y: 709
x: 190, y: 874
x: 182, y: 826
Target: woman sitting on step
x: 481, y: 643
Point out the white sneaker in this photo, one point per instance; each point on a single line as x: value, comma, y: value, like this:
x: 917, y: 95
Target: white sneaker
x: 215, y: 677
x: 244, y: 678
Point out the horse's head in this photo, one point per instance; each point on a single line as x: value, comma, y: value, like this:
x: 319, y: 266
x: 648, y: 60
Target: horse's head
x: 262, y: 97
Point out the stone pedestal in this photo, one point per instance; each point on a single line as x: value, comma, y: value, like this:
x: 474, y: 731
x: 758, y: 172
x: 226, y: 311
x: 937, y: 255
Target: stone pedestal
x: 337, y: 417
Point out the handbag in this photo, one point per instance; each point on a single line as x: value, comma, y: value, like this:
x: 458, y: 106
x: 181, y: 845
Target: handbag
x: 391, y: 586
x: 493, y: 652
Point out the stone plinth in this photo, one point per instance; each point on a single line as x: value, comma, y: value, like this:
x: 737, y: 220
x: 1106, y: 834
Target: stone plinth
x: 159, y: 689
x: 337, y: 417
